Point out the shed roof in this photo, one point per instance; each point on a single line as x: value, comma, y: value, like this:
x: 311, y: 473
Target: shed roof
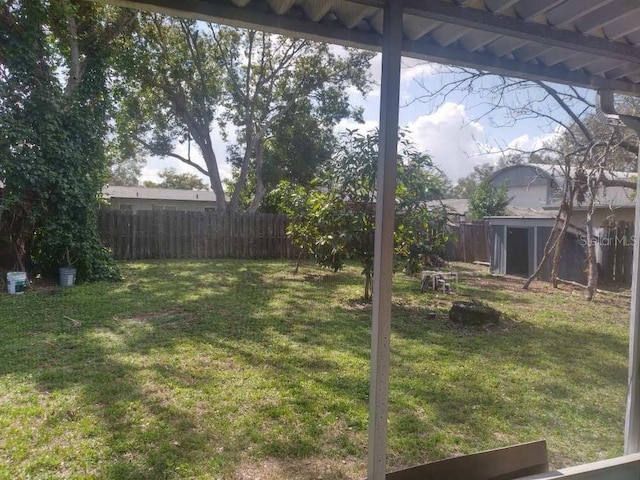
x: 158, y: 194
x: 460, y: 206
x: 588, y: 43
x: 454, y: 206
x: 525, y: 213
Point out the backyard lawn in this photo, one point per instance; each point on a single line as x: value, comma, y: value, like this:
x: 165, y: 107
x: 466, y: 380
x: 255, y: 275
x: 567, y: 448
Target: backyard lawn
x: 241, y: 369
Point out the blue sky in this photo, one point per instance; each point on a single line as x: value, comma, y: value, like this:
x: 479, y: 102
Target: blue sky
x: 451, y: 131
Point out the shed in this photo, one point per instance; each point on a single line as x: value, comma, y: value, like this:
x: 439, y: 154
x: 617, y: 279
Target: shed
x: 517, y: 247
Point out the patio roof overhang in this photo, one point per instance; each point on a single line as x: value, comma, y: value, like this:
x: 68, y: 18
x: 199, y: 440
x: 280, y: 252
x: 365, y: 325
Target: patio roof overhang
x: 585, y: 43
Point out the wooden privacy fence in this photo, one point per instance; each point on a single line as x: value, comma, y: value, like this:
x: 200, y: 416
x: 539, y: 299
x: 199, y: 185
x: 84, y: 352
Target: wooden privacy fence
x: 175, y: 234
x: 468, y: 242
x: 615, y: 256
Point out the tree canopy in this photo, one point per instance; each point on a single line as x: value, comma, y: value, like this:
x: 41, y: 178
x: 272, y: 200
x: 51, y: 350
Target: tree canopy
x: 182, y: 79
x: 335, y: 221
x: 488, y: 200
x: 181, y: 181
x: 53, y: 120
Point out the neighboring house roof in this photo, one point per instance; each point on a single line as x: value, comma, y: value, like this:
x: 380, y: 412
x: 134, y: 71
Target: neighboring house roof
x: 545, y: 171
x: 520, y: 212
x: 158, y: 194
x: 610, y: 197
x: 454, y: 206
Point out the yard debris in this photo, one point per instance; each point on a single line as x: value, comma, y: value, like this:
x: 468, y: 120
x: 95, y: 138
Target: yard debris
x: 473, y: 313
x: 435, y: 281
x: 74, y: 322
x: 606, y: 292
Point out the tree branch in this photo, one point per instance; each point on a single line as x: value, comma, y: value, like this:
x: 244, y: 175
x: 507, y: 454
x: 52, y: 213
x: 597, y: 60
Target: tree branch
x: 616, y: 182
x: 149, y: 147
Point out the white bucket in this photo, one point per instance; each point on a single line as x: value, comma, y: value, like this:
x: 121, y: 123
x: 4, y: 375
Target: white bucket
x: 67, y: 276
x: 16, y: 282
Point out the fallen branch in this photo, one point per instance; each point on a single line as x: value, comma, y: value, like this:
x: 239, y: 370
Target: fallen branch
x: 74, y: 322
x: 606, y: 292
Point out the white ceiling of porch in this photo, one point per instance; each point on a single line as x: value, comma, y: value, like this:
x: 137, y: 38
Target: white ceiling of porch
x: 589, y: 43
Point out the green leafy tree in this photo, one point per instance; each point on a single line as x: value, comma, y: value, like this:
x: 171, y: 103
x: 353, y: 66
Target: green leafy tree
x: 126, y: 172
x: 53, y: 120
x: 307, y: 209
x: 488, y: 200
x: 300, y: 142
x: 180, y: 181
x: 340, y: 216
x: 183, y: 79
x: 466, y: 186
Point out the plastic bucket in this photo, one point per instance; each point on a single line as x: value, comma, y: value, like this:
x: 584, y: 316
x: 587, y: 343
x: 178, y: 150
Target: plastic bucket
x: 67, y: 276
x: 16, y: 282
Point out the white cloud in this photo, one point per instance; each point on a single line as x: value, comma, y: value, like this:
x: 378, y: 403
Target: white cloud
x: 413, y: 69
x: 452, y: 139
x: 375, y: 70
x: 529, y: 143
x: 350, y: 124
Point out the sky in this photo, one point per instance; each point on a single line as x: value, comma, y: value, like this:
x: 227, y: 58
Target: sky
x: 453, y: 131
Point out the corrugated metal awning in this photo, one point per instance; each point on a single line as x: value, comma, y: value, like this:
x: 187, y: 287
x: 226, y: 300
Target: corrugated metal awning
x: 587, y: 43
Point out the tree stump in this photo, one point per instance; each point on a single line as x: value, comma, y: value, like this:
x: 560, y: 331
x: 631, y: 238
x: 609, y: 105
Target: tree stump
x: 473, y: 313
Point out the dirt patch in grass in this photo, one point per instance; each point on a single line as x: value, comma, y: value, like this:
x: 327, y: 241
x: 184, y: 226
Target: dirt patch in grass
x: 307, y: 469
x: 357, y: 304
x: 304, y: 277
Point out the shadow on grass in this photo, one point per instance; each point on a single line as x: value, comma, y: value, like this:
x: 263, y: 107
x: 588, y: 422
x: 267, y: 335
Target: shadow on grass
x: 277, y: 374
x: 92, y: 343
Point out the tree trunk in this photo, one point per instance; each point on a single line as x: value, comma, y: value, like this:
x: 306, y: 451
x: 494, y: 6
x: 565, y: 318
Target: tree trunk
x: 554, y: 241
x: 566, y: 207
x: 556, y: 255
x: 20, y: 251
x: 295, y: 271
x: 367, y: 287
x: 214, y: 175
x: 242, y: 179
x: 548, y: 247
x: 74, y: 56
x: 259, y: 194
x: 592, y: 267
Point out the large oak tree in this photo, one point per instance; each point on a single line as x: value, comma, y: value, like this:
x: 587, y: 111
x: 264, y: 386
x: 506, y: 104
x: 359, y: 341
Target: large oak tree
x: 182, y: 79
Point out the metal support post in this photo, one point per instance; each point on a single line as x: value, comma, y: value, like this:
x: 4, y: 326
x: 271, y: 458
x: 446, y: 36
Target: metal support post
x: 383, y: 252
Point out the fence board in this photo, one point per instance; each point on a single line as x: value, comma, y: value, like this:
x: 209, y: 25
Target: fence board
x: 468, y: 242
x: 616, y: 252
x: 174, y: 234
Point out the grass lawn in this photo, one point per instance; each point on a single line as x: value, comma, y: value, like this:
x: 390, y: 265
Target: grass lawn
x: 240, y: 369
